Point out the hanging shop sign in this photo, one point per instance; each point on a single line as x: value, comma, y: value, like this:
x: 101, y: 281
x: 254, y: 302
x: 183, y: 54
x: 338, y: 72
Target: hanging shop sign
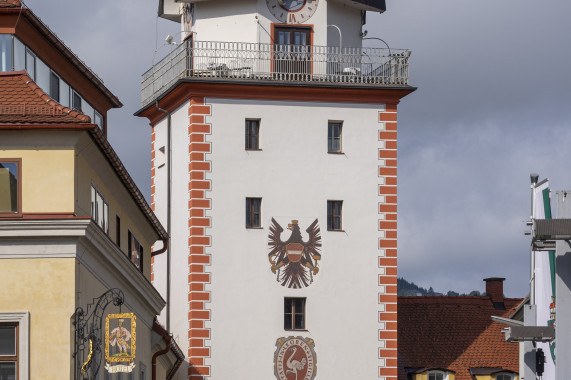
x: 120, y: 342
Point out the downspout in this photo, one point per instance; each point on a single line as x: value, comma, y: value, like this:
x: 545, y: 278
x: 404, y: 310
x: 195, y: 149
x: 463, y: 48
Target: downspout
x: 168, y: 340
x: 169, y: 176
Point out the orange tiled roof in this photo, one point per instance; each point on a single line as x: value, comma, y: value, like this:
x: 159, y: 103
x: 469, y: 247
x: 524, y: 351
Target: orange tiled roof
x: 455, y: 333
x: 23, y: 102
x: 10, y: 4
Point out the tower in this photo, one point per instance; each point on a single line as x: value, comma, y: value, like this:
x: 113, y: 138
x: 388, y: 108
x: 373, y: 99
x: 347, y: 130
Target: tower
x: 274, y: 168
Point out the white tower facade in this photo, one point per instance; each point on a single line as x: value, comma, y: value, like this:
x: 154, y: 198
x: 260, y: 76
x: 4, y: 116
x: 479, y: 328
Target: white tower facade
x: 274, y: 168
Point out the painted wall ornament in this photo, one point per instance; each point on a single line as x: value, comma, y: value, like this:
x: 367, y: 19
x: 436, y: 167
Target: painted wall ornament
x: 294, y: 261
x: 120, y: 342
x: 295, y: 359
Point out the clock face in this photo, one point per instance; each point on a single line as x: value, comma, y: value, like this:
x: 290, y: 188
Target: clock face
x: 292, y: 11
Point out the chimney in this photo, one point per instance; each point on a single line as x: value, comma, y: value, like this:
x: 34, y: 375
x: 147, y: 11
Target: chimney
x: 495, y: 290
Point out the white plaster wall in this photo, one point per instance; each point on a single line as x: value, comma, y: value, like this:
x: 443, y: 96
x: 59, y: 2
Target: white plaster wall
x: 179, y: 222
x: 251, y: 21
x: 295, y: 176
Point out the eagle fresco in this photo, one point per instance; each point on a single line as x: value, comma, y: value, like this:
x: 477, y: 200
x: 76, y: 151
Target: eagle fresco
x: 294, y: 261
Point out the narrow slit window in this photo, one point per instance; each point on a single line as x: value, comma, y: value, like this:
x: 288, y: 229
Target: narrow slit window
x: 334, y: 137
x: 334, y: 217
x: 253, y: 212
x: 135, y: 252
x: 252, y: 134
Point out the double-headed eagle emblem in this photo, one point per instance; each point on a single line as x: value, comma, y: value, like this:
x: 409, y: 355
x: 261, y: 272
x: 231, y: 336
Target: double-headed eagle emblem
x: 294, y: 261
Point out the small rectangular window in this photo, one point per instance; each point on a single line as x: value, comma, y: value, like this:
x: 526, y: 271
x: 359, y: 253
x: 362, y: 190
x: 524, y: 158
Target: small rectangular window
x: 253, y: 212
x: 31, y: 64
x: 98, y: 119
x: 294, y: 313
x: 99, y: 209
x: 334, y: 215
x: 10, y: 187
x: 5, y: 52
x: 54, y: 86
x: 334, y: 137
x: 118, y: 230
x: 135, y: 252
x: 252, y: 134
x: 8, y: 350
x: 76, y: 101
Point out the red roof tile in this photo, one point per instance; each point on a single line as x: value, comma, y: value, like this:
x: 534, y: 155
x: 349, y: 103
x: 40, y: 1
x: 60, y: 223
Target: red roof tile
x: 455, y: 333
x: 10, y: 4
x: 23, y: 102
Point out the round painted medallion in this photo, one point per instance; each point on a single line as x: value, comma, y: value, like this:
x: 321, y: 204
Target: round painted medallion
x: 295, y: 359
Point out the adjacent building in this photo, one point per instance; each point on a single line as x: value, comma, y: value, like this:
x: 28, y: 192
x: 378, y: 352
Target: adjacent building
x: 455, y: 338
x: 75, y: 231
x: 274, y: 145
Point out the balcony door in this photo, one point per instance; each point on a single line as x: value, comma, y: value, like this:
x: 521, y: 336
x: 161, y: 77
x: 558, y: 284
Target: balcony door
x: 292, y: 50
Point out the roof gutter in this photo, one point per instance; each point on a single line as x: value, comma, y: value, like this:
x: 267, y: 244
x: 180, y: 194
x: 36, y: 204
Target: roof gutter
x: 171, y: 346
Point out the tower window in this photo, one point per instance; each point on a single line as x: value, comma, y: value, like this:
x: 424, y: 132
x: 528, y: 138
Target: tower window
x: 334, y: 218
x: 334, y: 137
x: 252, y: 134
x: 253, y: 212
x: 294, y: 313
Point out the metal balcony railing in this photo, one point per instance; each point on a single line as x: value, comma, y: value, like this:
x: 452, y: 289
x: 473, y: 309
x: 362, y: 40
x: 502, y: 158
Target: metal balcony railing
x: 236, y: 61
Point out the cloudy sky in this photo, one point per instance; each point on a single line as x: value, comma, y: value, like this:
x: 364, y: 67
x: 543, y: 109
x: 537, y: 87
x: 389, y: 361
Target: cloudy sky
x: 491, y: 107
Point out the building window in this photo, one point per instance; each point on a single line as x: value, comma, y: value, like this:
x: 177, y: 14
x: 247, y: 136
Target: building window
x: 14, y: 350
x: 8, y: 350
x: 253, y: 212
x: 31, y: 64
x: 118, y: 230
x: 294, y: 313
x: 76, y: 101
x: 135, y: 252
x: 10, y: 187
x: 252, y: 134
x: 504, y: 376
x: 54, y: 86
x: 98, y: 119
x: 99, y: 210
x: 334, y: 215
x: 5, y: 52
x: 437, y: 376
x: 334, y: 137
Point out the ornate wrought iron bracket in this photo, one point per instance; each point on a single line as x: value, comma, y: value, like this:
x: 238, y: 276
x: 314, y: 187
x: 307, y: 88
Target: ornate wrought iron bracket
x: 88, y: 327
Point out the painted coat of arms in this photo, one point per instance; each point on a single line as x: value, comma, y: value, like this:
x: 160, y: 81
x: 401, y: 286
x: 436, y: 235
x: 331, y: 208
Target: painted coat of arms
x: 120, y: 342
x: 294, y: 261
x: 295, y: 359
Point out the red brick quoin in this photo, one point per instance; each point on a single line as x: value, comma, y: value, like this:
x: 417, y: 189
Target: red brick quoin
x: 387, y: 225
x: 199, y: 241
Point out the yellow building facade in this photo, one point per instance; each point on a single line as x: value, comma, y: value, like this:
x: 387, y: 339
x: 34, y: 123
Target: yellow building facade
x: 76, y: 234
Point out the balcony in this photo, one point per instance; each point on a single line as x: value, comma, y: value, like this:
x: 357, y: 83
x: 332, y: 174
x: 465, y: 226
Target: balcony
x: 279, y: 64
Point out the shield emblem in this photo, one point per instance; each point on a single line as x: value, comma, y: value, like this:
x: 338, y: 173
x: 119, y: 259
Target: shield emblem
x: 294, y: 251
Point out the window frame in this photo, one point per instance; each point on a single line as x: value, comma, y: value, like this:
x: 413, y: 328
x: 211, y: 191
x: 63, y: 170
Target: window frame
x: 251, y: 212
x: 252, y: 140
x: 510, y: 375
x: 19, y: 181
x: 118, y: 230
x: 139, y: 250
x: 35, y: 66
x: 72, y: 101
x: 12, y: 358
x: 292, y: 316
x: 95, y: 210
x: 22, y: 320
x: 54, y: 78
x: 444, y: 374
x: 332, y: 215
x: 331, y: 138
